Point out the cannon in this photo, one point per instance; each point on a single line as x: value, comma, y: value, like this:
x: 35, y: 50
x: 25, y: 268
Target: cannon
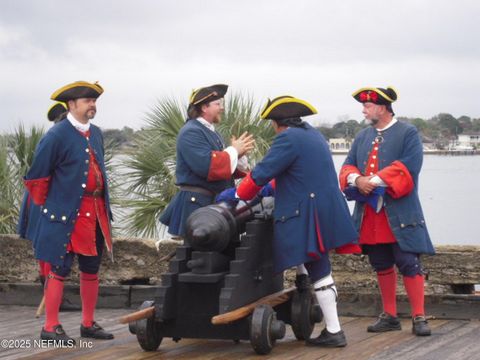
x: 221, y: 284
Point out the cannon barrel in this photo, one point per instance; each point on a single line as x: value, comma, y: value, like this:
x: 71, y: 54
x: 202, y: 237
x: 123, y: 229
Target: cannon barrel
x: 212, y: 227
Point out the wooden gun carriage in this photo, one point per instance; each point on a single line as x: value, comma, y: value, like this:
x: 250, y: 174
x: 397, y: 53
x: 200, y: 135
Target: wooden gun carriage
x: 221, y: 285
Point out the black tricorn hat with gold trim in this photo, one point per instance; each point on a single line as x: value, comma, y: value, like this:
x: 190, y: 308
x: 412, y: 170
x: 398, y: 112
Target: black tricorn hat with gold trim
x: 377, y: 96
x: 208, y: 94
x: 286, y: 107
x: 77, y: 90
x: 56, y: 111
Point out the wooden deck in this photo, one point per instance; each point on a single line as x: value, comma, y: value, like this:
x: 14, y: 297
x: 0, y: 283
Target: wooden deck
x: 451, y: 339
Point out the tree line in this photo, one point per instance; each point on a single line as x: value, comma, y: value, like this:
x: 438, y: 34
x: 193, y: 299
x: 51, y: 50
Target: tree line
x: 439, y: 130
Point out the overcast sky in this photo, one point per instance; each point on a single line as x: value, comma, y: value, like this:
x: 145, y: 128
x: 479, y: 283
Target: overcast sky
x: 320, y: 51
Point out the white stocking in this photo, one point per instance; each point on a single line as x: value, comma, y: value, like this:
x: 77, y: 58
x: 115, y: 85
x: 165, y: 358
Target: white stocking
x: 327, y: 299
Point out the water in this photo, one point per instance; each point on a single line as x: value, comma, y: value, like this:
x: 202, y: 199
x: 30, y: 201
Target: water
x: 449, y: 197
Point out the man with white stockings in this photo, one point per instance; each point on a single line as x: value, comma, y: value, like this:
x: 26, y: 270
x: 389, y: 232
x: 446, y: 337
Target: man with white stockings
x: 311, y: 214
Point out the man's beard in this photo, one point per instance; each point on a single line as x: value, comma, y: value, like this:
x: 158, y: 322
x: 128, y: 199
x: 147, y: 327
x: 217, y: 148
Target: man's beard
x: 90, y: 114
x: 372, y: 122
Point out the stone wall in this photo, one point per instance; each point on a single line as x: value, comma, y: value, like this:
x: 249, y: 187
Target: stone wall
x: 455, y: 269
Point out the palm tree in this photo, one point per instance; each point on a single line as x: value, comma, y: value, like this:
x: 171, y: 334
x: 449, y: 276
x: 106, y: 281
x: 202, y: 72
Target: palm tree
x: 151, y: 169
x: 16, y: 155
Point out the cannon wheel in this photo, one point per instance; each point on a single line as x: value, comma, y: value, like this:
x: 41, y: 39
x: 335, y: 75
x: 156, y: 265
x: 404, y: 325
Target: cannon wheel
x: 265, y: 329
x: 304, y: 314
x: 146, y: 331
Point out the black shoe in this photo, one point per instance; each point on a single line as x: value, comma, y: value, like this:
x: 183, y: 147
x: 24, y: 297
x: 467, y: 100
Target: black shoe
x: 95, y: 332
x: 302, y: 282
x: 420, y: 326
x: 385, y: 322
x: 327, y: 339
x: 58, y: 335
x: 67, y: 305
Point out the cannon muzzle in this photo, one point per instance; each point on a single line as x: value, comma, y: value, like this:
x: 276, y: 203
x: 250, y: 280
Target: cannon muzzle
x: 212, y: 227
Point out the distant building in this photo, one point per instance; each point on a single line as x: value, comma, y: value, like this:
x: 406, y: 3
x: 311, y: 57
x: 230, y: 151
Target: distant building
x: 340, y: 144
x: 466, y: 142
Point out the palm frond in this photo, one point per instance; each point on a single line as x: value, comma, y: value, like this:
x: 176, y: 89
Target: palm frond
x: 16, y: 156
x: 149, y: 172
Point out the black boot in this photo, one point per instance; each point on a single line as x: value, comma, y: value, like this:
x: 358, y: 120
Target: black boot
x: 58, y: 335
x: 420, y: 326
x: 327, y: 339
x: 95, y: 332
x: 385, y: 322
x: 302, y: 282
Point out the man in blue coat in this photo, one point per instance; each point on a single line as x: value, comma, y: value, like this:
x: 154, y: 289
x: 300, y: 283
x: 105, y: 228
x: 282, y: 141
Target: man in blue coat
x: 30, y: 212
x: 205, y: 166
x: 388, y: 155
x: 311, y: 215
x: 67, y: 181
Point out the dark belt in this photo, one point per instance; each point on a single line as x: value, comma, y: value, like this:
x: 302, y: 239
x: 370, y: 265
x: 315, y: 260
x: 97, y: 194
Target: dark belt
x: 197, y: 189
x: 95, y: 193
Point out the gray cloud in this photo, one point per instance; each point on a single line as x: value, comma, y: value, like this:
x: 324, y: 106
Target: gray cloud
x: 321, y: 51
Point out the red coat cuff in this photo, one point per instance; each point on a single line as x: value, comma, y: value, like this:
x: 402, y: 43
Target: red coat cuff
x: 344, y: 172
x: 247, y: 188
x: 219, y: 166
x: 38, y: 189
x: 349, y: 249
x: 398, y: 179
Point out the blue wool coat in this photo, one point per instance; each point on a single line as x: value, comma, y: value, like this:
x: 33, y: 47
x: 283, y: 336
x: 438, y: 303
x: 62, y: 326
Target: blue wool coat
x: 195, y: 144
x: 405, y: 215
x: 306, y: 189
x: 62, y: 155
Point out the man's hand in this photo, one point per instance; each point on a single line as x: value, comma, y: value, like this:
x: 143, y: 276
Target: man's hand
x: 364, y: 185
x: 244, y: 144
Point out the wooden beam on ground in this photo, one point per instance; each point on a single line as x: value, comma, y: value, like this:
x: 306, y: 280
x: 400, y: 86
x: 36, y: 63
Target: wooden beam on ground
x: 272, y: 300
x: 138, y: 315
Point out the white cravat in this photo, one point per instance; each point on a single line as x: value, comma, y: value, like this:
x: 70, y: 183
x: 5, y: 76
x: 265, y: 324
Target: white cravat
x: 77, y: 124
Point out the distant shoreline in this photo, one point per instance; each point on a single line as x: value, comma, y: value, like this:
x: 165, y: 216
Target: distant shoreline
x: 427, y: 152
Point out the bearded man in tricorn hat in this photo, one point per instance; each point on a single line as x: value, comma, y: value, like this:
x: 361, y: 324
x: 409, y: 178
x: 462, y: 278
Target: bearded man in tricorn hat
x: 205, y: 165
x: 68, y: 183
x: 384, y: 164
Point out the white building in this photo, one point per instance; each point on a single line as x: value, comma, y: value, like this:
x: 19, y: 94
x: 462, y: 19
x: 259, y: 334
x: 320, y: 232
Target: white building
x: 340, y: 144
x: 467, y: 142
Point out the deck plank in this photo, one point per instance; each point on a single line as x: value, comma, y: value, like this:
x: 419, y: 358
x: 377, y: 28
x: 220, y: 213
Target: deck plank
x: 451, y: 339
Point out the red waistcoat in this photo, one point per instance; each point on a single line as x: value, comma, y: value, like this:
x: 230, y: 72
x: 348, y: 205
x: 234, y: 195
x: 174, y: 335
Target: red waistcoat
x: 92, y: 210
x: 375, y: 228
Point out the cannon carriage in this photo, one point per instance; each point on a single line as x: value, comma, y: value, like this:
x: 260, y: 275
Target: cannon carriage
x: 221, y: 284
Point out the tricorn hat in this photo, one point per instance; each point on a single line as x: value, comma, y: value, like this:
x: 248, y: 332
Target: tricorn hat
x: 77, y: 90
x: 208, y: 94
x: 56, y: 110
x: 377, y: 96
x: 285, y: 107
